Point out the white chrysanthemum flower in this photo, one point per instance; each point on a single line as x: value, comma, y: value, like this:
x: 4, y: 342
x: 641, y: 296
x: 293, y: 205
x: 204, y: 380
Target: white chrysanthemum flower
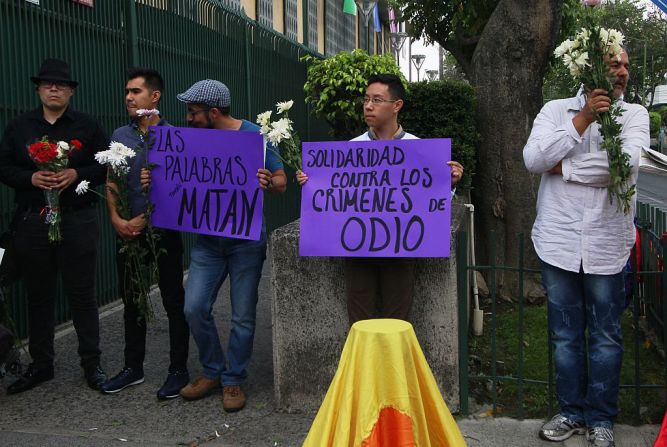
x: 265, y: 129
x: 584, y: 36
x: 616, y: 37
x: 604, y: 36
x: 63, y: 148
x: 284, y: 126
x: 264, y: 118
x: 284, y: 106
x: 275, y: 137
x: 102, y: 157
x: 575, y: 70
x: 563, y: 48
x: 82, y: 187
x: 582, y: 60
x: 147, y: 112
x: 121, y: 150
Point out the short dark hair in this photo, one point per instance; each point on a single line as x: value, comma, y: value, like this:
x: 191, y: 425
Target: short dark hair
x: 393, y: 83
x: 152, y: 78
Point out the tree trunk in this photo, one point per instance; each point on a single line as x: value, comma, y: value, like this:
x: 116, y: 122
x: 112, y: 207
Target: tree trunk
x: 507, y: 70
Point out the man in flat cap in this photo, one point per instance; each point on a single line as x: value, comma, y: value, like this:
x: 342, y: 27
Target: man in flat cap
x: 213, y: 258
x: 74, y: 257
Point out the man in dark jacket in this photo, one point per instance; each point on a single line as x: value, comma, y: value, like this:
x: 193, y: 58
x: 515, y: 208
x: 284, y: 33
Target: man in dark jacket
x: 74, y: 256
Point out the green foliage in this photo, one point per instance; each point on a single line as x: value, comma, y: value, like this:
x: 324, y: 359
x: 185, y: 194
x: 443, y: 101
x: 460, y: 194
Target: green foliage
x: 439, y: 21
x: 445, y: 109
x: 655, y: 121
x: 663, y: 114
x: 336, y: 83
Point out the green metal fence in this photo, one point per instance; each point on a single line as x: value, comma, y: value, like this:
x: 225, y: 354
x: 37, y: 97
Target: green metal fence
x: 487, y: 370
x: 186, y: 40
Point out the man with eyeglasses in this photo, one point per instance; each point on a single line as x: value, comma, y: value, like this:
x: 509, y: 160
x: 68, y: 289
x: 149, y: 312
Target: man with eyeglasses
x: 213, y: 258
x: 394, y: 277
x: 75, y: 256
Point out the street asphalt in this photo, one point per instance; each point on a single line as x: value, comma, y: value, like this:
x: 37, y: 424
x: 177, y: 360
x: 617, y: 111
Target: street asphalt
x: 65, y: 412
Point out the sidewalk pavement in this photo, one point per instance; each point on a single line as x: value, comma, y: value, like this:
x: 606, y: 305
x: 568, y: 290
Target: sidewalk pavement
x: 65, y: 412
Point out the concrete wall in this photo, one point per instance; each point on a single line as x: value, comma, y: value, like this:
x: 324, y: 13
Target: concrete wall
x: 310, y: 319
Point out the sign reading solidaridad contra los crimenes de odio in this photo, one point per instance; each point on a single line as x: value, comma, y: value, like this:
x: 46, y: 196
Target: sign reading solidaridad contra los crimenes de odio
x: 376, y: 198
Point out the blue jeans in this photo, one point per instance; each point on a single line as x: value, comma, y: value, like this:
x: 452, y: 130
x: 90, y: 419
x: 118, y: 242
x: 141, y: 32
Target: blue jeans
x: 586, y: 383
x: 212, y: 259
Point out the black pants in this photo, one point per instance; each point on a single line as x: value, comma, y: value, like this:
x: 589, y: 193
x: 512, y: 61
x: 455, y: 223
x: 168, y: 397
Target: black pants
x: 75, y: 259
x: 392, y: 279
x: 170, y: 268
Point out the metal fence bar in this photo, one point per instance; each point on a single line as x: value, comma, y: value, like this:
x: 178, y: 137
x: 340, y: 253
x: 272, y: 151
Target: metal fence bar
x: 663, y: 278
x: 494, y: 324
x: 649, y: 293
x: 102, y: 42
x: 521, y: 324
x: 462, y: 282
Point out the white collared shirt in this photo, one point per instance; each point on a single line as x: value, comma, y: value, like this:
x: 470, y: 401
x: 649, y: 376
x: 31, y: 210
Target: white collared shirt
x: 576, y: 226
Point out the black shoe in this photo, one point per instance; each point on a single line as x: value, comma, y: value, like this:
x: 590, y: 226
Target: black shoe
x: 30, y: 379
x: 95, y: 376
x: 126, y: 377
x: 175, y: 381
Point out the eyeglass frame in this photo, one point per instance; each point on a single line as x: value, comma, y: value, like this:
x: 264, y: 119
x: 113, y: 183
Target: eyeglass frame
x: 59, y: 85
x: 193, y: 113
x: 377, y: 101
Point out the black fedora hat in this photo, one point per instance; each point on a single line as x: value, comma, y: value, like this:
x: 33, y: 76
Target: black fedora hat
x: 55, y: 70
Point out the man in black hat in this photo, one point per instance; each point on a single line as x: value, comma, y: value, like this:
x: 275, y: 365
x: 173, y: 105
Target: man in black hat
x: 74, y: 257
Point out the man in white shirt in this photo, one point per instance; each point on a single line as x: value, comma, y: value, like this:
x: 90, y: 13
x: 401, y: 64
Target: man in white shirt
x: 583, y: 242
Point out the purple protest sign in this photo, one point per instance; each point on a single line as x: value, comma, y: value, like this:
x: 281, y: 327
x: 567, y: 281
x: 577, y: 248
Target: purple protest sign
x: 204, y: 181
x: 376, y: 198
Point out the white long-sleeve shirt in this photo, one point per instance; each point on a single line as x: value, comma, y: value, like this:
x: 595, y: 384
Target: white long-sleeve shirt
x: 576, y: 226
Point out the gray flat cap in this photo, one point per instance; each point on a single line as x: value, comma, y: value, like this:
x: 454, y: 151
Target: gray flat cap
x: 209, y: 91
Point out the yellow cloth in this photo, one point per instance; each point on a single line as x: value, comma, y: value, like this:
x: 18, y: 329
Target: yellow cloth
x: 382, y: 366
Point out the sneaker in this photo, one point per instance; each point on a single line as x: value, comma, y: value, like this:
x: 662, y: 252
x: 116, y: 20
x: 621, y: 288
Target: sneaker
x: 233, y: 398
x: 126, y: 377
x: 200, y: 387
x: 176, y: 381
x: 559, y: 428
x: 601, y: 437
x: 95, y: 376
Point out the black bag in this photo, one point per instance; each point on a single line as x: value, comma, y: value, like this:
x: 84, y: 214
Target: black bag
x: 10, y: 272
x: 6, y: 343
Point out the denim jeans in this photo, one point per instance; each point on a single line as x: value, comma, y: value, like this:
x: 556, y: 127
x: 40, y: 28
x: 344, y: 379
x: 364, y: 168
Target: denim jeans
x: 587, y: 383
x: 212, y: 259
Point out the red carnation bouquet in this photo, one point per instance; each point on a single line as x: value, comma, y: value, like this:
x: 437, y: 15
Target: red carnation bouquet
x: 50, y: 156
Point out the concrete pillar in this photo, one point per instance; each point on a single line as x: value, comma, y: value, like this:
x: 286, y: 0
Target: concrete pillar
x: 310, y: 319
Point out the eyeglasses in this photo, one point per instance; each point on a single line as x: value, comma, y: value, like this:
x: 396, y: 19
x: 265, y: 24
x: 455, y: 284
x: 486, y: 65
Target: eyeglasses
x: 50, y: 84
x: 193, y: 113
x: 377, y: 101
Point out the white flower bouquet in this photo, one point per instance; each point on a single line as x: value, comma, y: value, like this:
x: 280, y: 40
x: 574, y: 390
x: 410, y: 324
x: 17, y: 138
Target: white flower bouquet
x: 587, y: 57
x: 281, y: 134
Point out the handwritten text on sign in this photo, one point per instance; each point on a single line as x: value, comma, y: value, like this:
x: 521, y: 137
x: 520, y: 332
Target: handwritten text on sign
x: 376, y: 198
x: 205, y: 181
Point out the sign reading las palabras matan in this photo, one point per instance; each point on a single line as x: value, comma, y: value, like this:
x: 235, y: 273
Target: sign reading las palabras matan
x: 204, y: 181
x: 376, y: 198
